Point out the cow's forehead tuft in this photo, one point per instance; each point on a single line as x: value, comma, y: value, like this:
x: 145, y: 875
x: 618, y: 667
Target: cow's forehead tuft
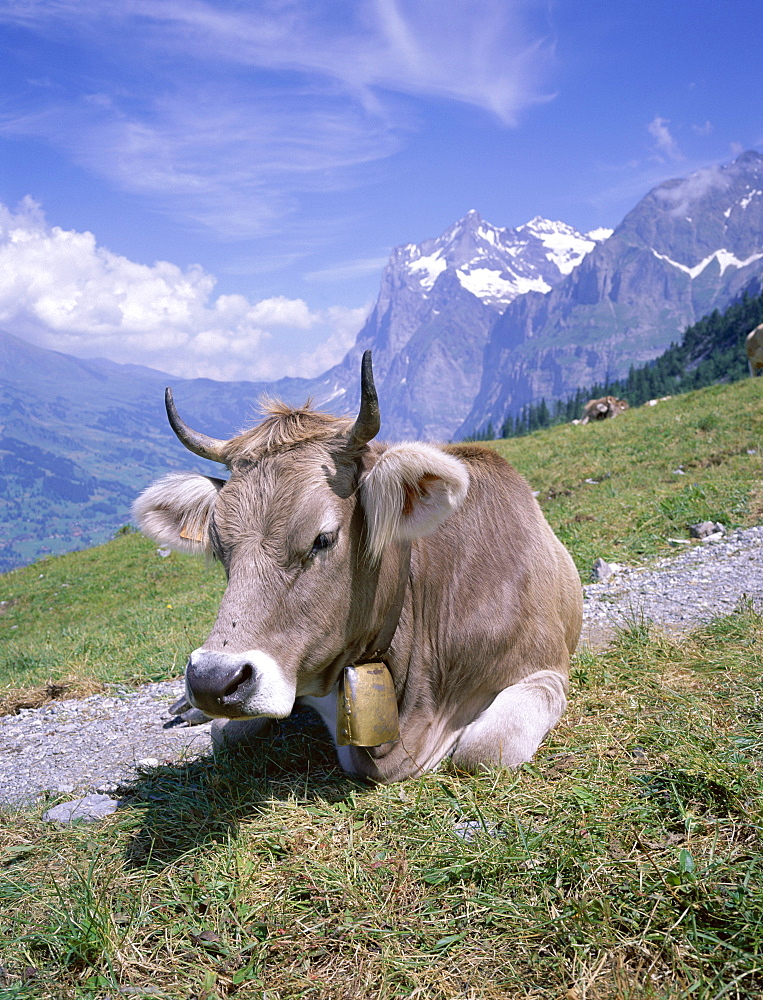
x: 283, y: 429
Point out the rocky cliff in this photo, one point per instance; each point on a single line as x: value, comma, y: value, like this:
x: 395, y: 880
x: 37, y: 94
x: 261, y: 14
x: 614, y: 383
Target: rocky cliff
x: 690, y: 246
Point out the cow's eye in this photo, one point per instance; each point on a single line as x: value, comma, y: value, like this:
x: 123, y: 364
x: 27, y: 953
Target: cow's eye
x: 324, y: 541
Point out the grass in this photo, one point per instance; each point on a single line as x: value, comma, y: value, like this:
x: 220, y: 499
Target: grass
x: 654, y: 471
x: 120, y: 613
x: 117, y: 613
x: 625, y: 862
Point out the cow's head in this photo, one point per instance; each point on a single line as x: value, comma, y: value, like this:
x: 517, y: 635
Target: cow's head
x: 309, y: 527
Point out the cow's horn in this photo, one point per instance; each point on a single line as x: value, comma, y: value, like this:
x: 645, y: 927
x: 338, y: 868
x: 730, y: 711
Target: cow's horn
x: 199, y: 444
x: 369, y: 421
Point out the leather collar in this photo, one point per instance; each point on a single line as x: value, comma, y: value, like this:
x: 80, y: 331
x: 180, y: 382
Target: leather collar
x: 379, y: 647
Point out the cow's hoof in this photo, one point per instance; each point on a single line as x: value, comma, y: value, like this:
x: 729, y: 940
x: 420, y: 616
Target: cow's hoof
x: 234, y: 734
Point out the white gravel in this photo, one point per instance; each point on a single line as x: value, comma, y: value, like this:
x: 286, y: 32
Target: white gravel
x: 706, y: 580
x: 93, y: 744
x: 97, y: 744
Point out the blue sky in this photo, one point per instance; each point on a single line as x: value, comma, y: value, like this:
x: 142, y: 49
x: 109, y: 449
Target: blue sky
x: 212, y: 188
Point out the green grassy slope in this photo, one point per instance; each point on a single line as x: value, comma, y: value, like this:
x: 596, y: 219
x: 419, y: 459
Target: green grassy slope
x: 623, y: 864
x: 120, y: 612
x: 656, y: 470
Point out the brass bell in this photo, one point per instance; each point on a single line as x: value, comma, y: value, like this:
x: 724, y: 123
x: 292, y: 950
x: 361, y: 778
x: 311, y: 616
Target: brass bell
x: 366, y: 707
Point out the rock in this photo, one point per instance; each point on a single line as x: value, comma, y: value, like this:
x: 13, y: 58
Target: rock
x: 469, y: 829
x: 716, y: 536
x: 603, y: 570
x: 86, y: 810
x: 705, y: 528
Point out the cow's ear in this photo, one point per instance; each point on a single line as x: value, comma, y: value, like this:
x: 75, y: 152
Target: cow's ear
x: 410, y: 490
x: 175, y: 510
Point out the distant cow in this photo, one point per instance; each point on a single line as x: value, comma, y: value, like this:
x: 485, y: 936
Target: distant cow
x: 339, y: 550
x: 754, y: 346
x: 602, y: 408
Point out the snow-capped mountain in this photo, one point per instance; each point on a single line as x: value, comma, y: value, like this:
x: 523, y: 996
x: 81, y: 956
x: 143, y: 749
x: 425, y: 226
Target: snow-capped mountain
x: 437, y: 303
x: 690, y: 246
x: 498, y: 264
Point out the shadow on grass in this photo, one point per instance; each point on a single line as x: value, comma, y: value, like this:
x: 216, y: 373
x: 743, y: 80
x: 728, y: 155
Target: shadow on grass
x: 205, y: 800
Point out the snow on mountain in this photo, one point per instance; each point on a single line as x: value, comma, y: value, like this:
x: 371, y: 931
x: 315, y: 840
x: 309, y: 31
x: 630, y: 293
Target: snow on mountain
x: 565, y: 246
x: 724, y: 257
x: 600, y: 234
x: 691, y: 245
x: 497, y: 264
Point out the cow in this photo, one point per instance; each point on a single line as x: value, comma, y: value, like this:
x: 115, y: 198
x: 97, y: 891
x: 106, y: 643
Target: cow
x: 432, y: 559
x: 602, y: 408
x: 754, y: 346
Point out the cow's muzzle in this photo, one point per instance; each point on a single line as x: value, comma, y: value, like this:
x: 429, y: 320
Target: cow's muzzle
x: 238, y: 685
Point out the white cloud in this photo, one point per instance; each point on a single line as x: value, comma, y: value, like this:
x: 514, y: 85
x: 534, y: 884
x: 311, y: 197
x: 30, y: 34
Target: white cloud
x: 61, y: 290
x: 659, y: 129
x: 705, y: 128
x: 225, y: 113
x: 684, y: 193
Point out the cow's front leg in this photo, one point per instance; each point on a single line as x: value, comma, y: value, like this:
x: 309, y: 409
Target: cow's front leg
x: 509, y: 731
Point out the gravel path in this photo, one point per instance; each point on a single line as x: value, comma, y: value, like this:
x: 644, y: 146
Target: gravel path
x: 678, y: 592
x: 95, y: 744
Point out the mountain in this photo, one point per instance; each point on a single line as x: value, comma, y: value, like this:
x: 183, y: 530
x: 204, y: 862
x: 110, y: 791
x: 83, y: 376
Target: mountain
x: 711, y: 351
x: 437, y: 305
x: 468, y: 328
x: 690, y: 246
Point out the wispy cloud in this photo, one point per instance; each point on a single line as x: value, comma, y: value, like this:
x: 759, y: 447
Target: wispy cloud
x: 705, y: 128
x: 665, y: 143
x: 225, y: 114
x: 60, y: 289
x: 689, y: 190
x: 348, y: 270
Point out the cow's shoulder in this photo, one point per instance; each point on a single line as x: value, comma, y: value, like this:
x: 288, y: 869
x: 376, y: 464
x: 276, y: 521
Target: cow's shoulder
x: 477, y: 455
x: 487, y: 466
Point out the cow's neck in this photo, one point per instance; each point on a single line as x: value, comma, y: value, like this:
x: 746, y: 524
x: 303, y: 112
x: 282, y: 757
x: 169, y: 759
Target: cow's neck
x: 378, y: 647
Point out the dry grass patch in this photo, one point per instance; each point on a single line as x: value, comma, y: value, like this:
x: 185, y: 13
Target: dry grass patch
x: 13, y: 700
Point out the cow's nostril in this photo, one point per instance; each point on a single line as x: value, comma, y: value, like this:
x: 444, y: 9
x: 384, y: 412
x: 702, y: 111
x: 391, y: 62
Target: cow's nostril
x: 243, y: 674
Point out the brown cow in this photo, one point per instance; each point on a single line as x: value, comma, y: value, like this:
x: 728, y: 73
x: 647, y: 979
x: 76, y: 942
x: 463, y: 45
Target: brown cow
x: 602, y: 408
x: 435, y: 558
x: 754, y: 346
